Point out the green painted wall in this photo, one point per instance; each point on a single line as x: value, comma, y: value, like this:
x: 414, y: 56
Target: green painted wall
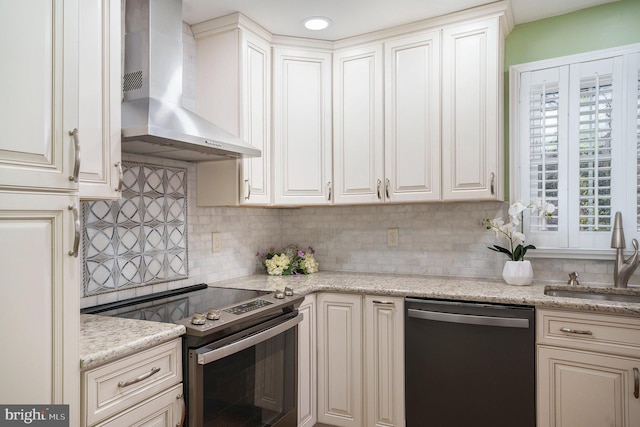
x: 600, y: 27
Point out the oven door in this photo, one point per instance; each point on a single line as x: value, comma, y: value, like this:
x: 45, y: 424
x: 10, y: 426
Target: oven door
x: 248, y: 379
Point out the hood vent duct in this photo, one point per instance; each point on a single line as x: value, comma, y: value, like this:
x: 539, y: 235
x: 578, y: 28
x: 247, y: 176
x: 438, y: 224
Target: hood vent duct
x: 154, y: 123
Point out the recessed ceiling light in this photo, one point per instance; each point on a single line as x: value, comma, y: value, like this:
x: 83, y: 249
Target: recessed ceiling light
x: 316, y: 23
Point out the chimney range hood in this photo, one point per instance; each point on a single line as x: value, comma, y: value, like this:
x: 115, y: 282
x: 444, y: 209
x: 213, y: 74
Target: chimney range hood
x: 154, y: 123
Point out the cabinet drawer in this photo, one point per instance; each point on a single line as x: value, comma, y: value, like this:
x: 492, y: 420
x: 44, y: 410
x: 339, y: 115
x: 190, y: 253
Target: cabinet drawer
x: 116, y: 386
x: 596, y: 332
x: 163, y: 410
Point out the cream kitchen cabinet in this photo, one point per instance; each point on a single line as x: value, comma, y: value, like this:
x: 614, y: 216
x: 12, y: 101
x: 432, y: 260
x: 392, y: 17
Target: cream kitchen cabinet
x: 384, y: 361
x: 401, y: 164
x: 588, y: 369
x: 39, y: 103
x: 307, y: 364
x: 39, y: 221
x: 472, y: 111
x: 412, y: 118
x: 302, y: 126
x: 40, y: 302
x: 358, y: 140
x: 234, y: 91
x: 360, y: 360
x: 141, y: 389
x: 100, y: 89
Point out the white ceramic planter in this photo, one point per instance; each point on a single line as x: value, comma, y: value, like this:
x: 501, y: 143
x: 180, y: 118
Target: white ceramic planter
x: 518, y: 273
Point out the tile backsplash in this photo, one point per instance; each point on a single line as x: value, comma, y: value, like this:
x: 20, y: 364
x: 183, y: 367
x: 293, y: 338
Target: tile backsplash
x: 442, y: 239
x: 434, y: 239
x: 140, y: 239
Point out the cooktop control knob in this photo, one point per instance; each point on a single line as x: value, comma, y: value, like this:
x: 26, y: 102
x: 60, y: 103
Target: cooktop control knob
x: 198, y: 319
x: 279, y: 295
x: 213, y: 314
x: 288, y: 291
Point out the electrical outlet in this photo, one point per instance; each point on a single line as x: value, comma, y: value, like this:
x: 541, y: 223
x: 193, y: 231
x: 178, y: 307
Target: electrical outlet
x: 392, y: 237
x: 216, y: 242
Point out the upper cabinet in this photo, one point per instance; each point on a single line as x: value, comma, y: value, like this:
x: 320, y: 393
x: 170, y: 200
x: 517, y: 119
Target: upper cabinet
x: 100, y: 89
x: 412, y: 118
x: 358, y: 144
x: 39, y: 147
x: 234, y: 91
x: 472, y: 112
x: 408, y: 114
x: 302, y: 126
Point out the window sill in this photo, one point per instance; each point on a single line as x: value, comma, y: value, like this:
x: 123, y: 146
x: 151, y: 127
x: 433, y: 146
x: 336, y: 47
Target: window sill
x: 574, y: 253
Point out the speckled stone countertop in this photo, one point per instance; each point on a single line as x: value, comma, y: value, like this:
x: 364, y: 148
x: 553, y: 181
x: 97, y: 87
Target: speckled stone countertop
x: 464, y: 289
x: 104, y: 339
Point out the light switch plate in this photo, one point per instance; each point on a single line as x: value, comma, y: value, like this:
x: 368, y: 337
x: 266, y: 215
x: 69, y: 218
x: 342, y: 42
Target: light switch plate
x: 216, y: 242
x: 392, y: 237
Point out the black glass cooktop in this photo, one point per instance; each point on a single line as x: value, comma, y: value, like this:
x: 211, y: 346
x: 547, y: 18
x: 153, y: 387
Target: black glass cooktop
x: 171, y: 306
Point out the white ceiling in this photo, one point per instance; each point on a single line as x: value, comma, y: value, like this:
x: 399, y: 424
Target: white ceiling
x: 354, y: 17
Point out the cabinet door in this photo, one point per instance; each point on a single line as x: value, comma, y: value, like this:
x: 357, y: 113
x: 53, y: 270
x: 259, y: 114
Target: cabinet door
x: 163, y: 410
x: 256, y: 107
x: 384, y: 361
x: 358, y: 145
x: 234, y: 91
x: 412, y: 118
x: 472, y: 146
x: 307, y: 363
x: 39, y: 101
x: 39, y: 301
x: 340, y: 359
x: 579, y: 388
x: 302, y: 127
x: 100, y: 87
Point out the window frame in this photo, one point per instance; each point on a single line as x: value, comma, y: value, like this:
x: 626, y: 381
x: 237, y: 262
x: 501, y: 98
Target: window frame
x: 519, y: 156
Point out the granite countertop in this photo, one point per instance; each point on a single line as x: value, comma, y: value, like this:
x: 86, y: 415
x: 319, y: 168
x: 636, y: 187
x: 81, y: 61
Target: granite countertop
x: 104, y: 339
x: 467, y: 289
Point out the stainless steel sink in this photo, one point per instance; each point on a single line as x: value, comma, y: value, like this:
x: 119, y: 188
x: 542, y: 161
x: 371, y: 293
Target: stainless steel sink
x: 604, y: 294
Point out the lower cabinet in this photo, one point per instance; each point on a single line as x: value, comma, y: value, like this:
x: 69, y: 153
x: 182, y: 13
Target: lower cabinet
x: 588, y: 370
x: 142, y: 389
x: 307, y: 364
x: 360, y: 360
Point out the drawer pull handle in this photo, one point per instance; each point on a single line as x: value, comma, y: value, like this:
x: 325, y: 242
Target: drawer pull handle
x: 153, y: 371
x: 183, y: 410
x: 576, y: 331
x: 383, y: 302
x: 636, y: 383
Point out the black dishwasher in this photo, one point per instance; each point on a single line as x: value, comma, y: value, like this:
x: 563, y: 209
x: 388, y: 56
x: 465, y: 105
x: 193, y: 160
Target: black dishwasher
x: 469, y: 364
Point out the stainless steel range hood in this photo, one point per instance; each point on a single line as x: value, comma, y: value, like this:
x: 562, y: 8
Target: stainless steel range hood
x: 154, y: 123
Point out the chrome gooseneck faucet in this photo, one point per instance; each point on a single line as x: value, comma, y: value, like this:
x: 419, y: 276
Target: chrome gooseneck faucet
x: 623, y: 269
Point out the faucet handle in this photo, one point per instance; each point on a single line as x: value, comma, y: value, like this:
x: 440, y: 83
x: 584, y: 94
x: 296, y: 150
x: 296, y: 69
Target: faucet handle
x: 573, y: 279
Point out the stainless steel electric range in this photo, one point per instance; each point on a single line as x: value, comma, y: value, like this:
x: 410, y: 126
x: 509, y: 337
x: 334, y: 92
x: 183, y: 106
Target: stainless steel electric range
x: 239, y: 351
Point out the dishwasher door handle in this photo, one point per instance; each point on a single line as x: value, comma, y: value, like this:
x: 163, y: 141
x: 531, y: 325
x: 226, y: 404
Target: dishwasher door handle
x: 469, y: 319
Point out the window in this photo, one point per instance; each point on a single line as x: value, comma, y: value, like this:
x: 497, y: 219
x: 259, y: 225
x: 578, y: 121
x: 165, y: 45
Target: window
x: 575, y: 132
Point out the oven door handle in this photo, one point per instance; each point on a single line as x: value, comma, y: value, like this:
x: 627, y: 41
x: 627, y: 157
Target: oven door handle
x: 218, y: 353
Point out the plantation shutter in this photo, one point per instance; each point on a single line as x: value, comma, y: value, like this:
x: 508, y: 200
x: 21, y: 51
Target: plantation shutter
x: 543, y: 104
x: 595, y: 158
x: 579, y: 149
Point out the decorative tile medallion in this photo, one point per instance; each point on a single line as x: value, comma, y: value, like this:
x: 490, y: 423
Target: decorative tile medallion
x: 140, y: 239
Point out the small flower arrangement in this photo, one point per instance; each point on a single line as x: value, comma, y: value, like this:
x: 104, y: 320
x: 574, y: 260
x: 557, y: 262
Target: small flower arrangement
x: 516, y: 250
x: 290, y: 261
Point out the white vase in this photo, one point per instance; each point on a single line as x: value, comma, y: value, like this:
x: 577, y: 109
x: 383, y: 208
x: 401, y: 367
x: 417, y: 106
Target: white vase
x: 517, y: 273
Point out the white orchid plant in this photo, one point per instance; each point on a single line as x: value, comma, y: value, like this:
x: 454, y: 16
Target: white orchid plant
x: 512, y: 230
